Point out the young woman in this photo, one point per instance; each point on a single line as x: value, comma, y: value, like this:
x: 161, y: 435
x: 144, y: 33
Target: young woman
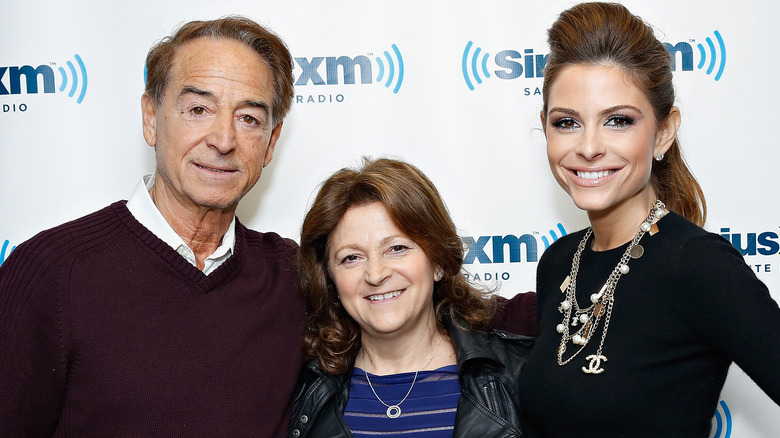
x: 642, y: 313
x: 392, y: 334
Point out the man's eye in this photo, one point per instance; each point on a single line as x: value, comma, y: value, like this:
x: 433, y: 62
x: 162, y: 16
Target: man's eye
x: 198, y: 110
x: 249, y: 120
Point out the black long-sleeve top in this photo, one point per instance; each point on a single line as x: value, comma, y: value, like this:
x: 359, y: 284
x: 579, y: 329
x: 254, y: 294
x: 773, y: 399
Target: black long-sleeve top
x: 687, y: 308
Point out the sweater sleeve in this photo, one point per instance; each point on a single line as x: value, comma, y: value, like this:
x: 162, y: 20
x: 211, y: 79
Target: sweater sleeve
x: 32, y: 353
x: 728, y: 307
x: 517, y: 314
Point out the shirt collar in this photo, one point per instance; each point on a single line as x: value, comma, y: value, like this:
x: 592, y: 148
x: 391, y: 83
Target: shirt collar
x: 143, y: 209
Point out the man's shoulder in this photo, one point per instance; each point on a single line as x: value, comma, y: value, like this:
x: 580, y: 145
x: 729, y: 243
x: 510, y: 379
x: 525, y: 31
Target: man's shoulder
x: 67, y: 238
x: 267, y: 241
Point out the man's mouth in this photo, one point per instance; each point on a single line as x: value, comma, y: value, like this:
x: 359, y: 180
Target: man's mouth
x: 213, y: 169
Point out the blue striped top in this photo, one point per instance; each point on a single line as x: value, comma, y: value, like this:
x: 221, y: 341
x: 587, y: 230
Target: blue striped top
x: 428, y: 412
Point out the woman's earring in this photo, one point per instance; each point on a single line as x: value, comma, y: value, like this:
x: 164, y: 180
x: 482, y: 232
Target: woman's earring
x: 439, y: 275
x: 659, y: 156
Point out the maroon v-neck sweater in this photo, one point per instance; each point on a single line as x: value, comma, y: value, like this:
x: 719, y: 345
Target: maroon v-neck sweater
x: 105, y: 331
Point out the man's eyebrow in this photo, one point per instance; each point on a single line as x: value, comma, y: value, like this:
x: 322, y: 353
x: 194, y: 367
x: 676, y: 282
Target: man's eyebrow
x: 255, y: 104
x: 189, y: 89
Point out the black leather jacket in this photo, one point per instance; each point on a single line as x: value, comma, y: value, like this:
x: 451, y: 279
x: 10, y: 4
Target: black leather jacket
x: 489, y: 365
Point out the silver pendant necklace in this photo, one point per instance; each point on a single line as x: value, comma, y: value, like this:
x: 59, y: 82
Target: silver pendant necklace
x: 579, y: 324
x: 394, y: 411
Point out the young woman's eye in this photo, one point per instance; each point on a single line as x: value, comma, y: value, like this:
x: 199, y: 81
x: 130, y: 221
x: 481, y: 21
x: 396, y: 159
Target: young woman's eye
x: 565, y: 123
x: 620, y: 121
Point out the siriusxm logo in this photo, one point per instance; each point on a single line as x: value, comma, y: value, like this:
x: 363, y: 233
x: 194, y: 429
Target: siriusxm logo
x: 721, y: 422
x: 476, y: 65
x: 499, y: 244
x: 5, y: 252
x: 686, y: 55
x: 71, y: 80
x: 332, y: 70
x: 511, y: 65
x: 765, y: 243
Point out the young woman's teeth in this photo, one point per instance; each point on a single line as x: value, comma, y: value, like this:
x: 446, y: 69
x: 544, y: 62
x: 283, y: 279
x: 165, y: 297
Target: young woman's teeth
x: 386, y: 296
x: 593, y: 175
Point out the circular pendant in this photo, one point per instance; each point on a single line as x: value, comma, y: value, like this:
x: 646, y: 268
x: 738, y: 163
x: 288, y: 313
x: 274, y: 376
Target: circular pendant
x: 637, y: 251
x: 393, y: 411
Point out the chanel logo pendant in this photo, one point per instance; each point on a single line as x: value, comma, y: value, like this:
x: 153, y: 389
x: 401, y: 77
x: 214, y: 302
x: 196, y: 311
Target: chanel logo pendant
x: 594, y: 364
x: 393, y: 411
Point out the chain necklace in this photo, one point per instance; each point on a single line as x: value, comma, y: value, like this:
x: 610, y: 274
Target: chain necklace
x: 601, y: 302
x: 394, y: 411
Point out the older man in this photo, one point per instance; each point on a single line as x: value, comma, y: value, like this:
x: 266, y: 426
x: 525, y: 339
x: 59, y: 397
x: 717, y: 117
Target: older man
x: 164, y: 315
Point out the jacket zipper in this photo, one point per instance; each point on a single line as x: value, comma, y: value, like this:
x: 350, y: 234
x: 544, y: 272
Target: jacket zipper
x: 487, y: 398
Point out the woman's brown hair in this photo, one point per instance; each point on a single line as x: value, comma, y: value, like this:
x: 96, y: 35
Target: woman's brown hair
x: 607, y: 33
x: 417, y: 209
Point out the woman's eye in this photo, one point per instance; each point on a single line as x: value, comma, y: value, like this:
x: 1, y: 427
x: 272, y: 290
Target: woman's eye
x: 398, y: 248
x: 620, y: 121
x: 565, y: 123
x: 350, y: 258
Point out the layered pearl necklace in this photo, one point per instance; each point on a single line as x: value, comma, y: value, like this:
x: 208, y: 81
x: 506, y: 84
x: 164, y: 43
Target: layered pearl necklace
x: 579, y: 324
x: 394, y: 411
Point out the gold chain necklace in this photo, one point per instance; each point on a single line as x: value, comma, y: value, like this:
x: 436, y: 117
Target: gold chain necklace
x: 601, y: 302
x: 394, y: 411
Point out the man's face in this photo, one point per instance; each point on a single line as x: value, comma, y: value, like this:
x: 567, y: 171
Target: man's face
x: 213, y: 131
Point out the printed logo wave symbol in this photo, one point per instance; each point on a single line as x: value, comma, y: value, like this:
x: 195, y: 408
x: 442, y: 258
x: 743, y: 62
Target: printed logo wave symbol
x: 553, y: 236
x: 3, y: 253
x: 74, y: 81
x: 713, y: 55
x: 391, y: 68
x: 475, y: 63
x: 722, y: 422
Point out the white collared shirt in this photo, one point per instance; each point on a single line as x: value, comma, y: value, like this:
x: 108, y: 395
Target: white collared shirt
x: 143, y: 209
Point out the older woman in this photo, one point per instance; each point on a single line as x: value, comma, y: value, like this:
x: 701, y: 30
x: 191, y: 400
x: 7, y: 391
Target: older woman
x: 394, y: 333
x: 643, y: 312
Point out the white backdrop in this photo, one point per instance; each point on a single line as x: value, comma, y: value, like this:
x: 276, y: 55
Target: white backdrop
x: 79, y: 147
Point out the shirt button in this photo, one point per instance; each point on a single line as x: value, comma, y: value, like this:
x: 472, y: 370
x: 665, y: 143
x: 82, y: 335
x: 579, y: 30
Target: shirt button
x: 296, y: 433
x: 304, y: 419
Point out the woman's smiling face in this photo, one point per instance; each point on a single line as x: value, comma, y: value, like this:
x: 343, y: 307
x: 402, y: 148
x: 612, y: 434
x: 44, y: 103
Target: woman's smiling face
x: 602, y: 136
x: 384, y: 279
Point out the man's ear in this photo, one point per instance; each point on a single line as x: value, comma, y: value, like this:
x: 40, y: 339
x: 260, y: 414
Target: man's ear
x: 149, y: 115
x: 269, y: 151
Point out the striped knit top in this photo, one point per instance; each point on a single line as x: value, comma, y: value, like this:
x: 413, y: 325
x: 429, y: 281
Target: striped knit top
x: 428, y: 411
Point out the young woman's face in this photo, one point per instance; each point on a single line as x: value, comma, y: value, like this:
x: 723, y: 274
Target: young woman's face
x: 602, y: 136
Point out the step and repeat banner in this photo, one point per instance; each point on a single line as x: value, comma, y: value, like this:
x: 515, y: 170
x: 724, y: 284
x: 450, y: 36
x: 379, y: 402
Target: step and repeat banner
x: 452, y: 87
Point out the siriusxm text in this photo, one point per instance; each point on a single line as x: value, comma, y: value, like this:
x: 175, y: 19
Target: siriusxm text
x: 31, y: 79
x: 518, y: 249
